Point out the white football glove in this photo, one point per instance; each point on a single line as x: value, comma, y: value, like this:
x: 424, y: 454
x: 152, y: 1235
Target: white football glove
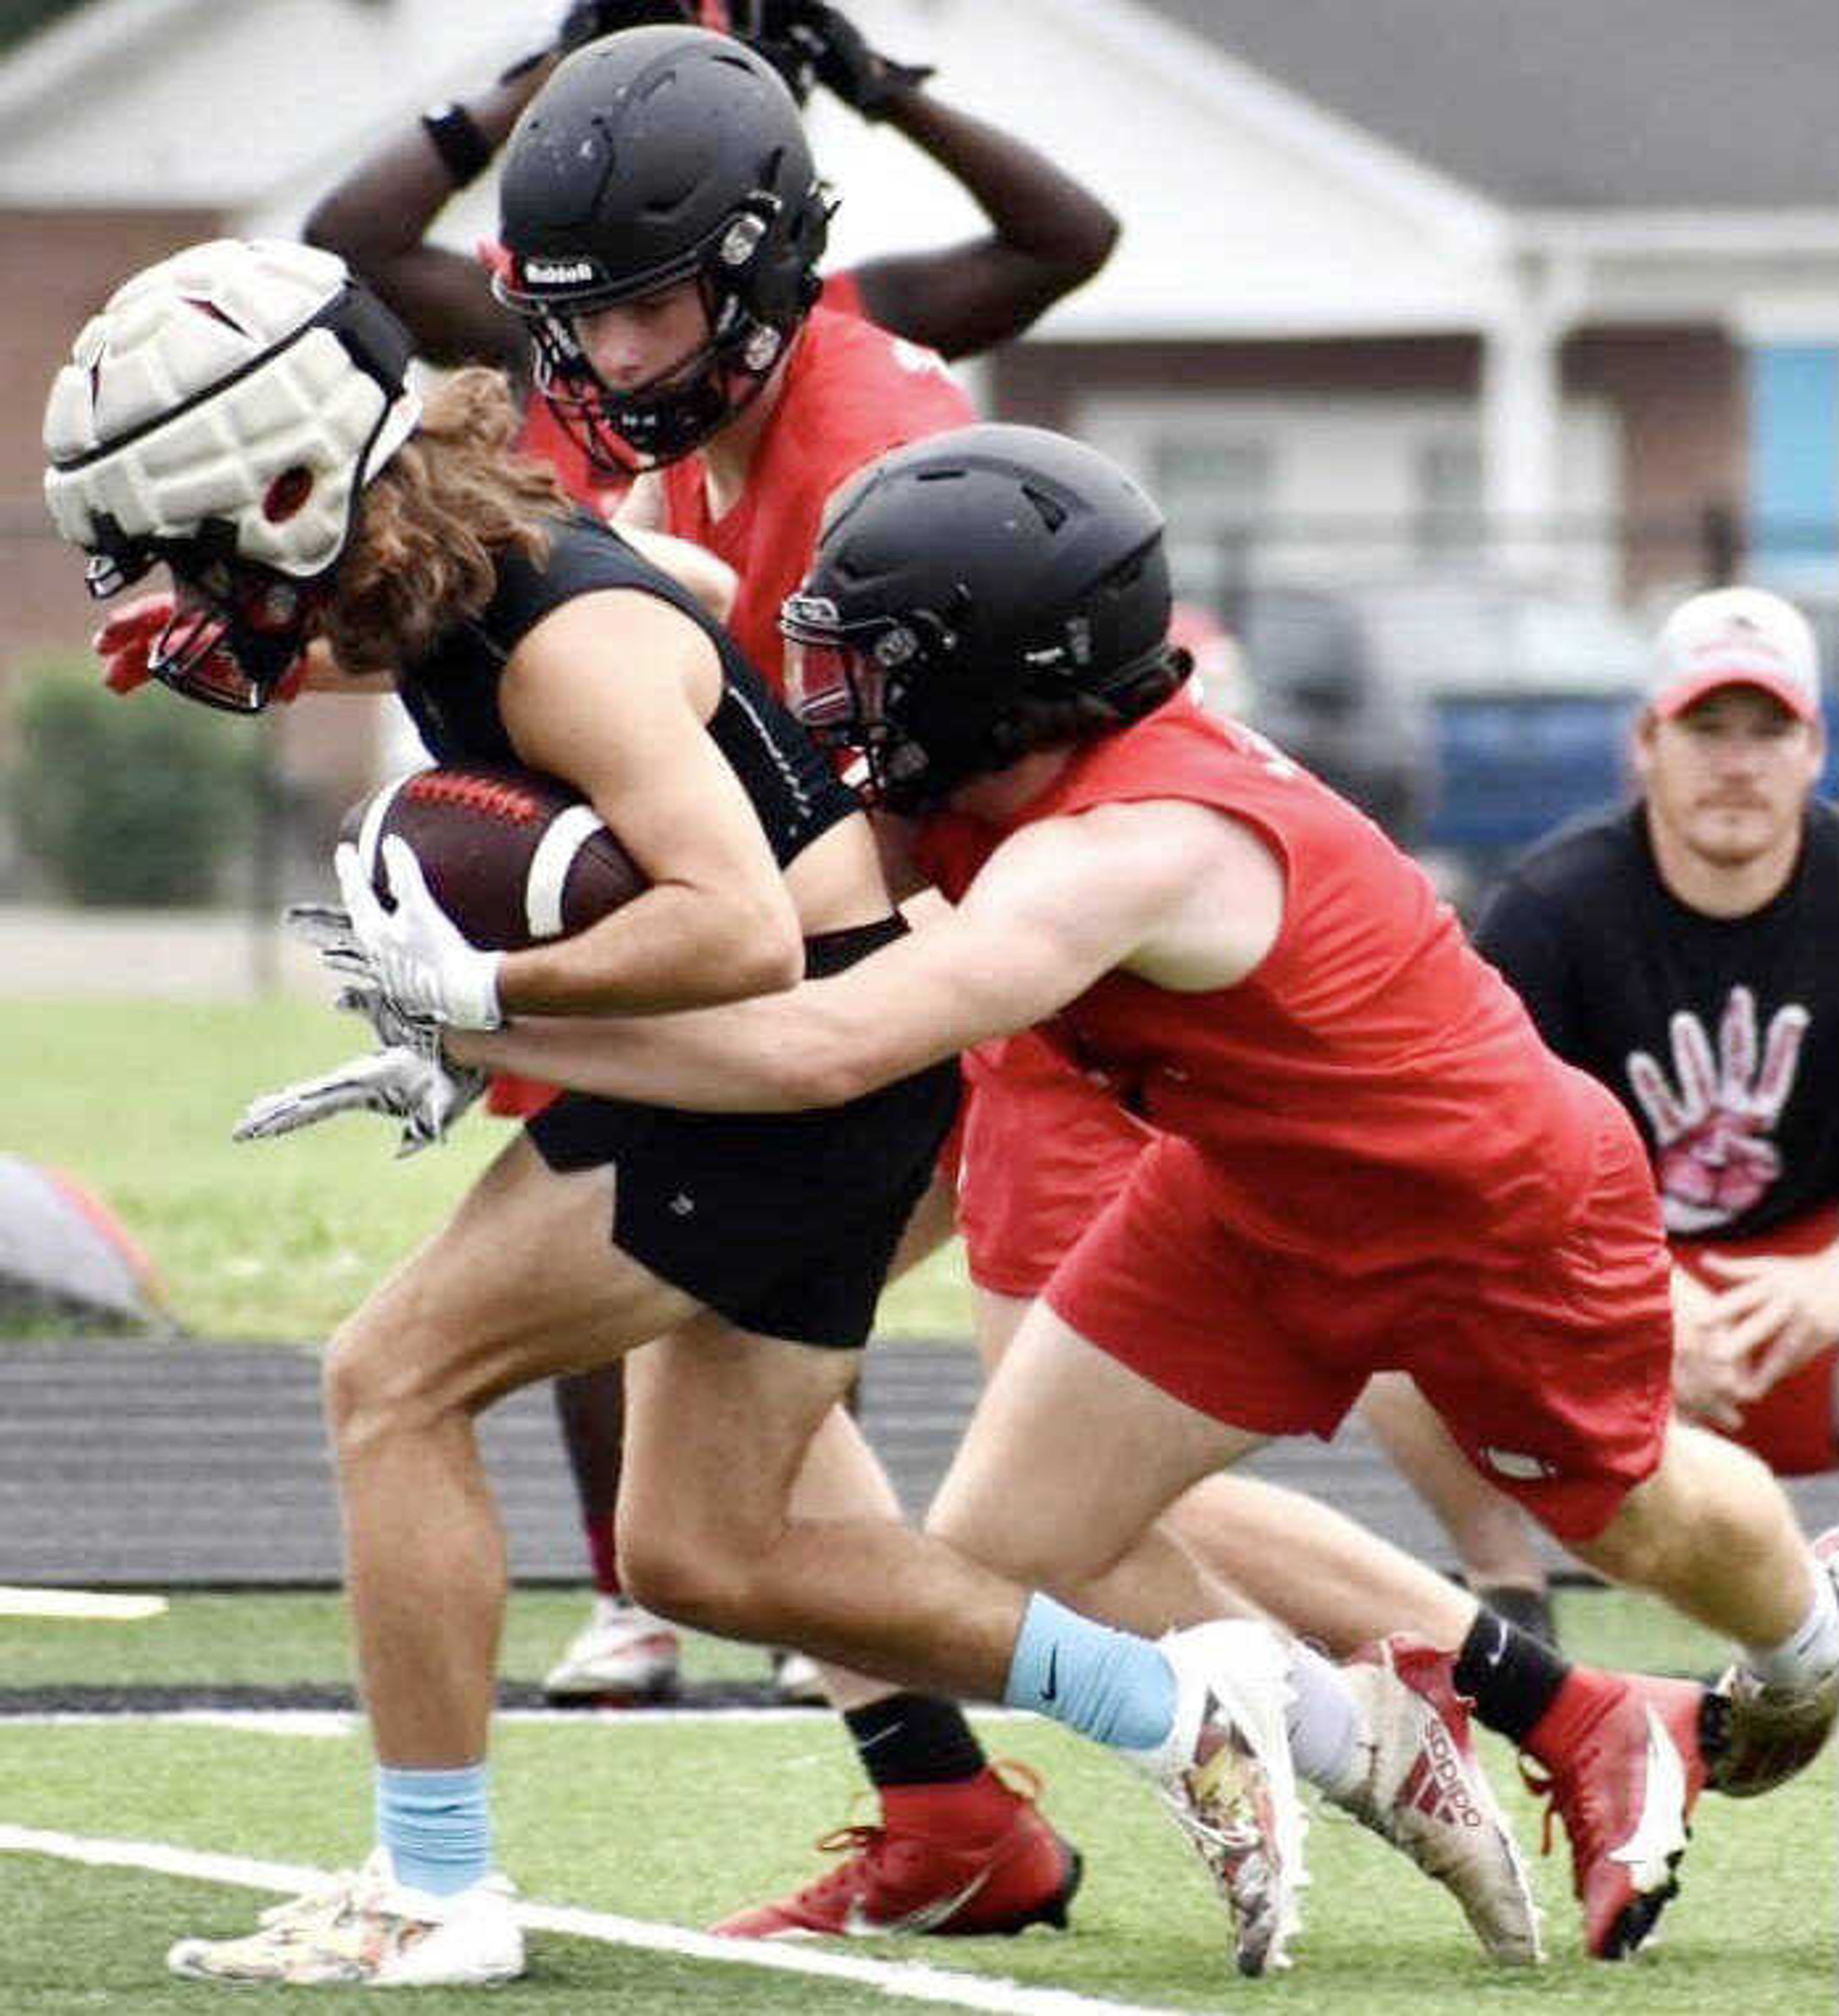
x: 327, y: 929
x: 409, y: 1084
x: 414, y: 953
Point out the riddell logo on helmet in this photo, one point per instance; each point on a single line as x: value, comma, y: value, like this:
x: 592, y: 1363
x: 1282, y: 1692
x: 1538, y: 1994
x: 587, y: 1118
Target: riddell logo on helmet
x: 558, y: 273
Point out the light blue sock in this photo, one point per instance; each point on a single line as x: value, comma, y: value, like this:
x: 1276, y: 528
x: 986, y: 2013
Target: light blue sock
x: 436, y: 1826
x: 1109, y: 1685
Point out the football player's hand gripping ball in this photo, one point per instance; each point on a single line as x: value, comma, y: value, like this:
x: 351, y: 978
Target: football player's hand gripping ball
x: 414, y: 953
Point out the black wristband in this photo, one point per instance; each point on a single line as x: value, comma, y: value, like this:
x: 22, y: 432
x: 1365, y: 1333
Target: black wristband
x: 458, y: 141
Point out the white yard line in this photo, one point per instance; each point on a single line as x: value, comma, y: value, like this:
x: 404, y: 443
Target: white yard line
x: 90, y: 1605
x: 903, y: 1981
x: 328, y: 1722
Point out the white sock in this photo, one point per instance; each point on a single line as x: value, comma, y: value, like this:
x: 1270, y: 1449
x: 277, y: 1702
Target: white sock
x: 1323, y: 1726
x: 1810, y: 1652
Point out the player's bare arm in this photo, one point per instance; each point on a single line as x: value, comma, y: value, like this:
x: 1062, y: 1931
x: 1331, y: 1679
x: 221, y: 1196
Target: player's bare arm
x: 1050, y: 235
x: 642, y: 508
x: 1173, y: 892
x: 376, y: 220
x: 611, y: 691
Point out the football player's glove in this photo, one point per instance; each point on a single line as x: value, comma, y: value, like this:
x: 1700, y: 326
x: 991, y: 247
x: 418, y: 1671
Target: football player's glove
x: 843, y: 60
x: 414, y: 955
x: 412, y: 1085
x: 327, y: 928
x: 587, y: 20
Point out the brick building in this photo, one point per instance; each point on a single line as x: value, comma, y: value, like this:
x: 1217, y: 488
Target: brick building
x: 1444, y: 260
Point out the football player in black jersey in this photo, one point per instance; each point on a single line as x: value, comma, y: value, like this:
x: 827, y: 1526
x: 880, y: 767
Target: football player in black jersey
x: 242, y: 416
x: 1047, y: 235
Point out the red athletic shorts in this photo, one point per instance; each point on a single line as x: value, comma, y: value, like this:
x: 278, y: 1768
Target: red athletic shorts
x: 1792, y: 1427
x: 1046, y: 1147
x: 1549, y: 1366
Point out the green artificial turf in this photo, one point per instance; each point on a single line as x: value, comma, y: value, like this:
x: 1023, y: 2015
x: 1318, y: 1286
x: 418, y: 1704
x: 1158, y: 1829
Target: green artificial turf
x: 677, y: 1820
x: 274, y: 1240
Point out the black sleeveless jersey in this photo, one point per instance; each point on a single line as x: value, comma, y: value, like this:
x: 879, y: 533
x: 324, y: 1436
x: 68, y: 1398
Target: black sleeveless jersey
x: 1720, y: 1034
x: 452, y: 694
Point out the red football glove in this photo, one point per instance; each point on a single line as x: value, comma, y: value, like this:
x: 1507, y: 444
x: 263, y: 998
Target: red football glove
x: 125, y: 643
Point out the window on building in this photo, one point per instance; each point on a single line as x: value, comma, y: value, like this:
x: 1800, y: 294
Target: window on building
x: 1447, y: 500
x: 1214, y: 494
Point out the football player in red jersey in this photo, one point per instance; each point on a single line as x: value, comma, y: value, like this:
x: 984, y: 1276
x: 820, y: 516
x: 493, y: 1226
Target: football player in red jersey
x: 395, y: 538
x: 673, y: 308
x: 1366, y: 1159
x: 1048, y: 234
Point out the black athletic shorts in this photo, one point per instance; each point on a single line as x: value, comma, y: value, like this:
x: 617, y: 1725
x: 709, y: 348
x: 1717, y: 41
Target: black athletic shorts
x: 785, y: 1223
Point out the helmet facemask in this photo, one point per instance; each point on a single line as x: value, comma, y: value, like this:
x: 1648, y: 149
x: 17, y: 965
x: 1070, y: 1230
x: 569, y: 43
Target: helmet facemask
x: 875, y: 687
x: 650, y: 425
x: 840, y: 680
x: 236, y: 630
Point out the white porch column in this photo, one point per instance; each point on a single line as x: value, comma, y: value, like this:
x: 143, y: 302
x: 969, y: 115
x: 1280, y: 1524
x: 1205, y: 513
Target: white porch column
x: 1522, y: 412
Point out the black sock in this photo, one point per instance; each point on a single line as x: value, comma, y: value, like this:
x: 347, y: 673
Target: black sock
x: 1530, y: 1609
x: 914, y: 1740
x: 1509, y: 1674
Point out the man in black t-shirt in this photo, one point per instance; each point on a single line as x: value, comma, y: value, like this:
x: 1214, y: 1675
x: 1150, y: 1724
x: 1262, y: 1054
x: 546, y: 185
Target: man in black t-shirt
x: 1680, y: 951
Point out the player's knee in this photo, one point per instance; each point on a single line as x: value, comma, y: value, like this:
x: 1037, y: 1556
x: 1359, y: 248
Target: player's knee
x: 1711, y: 1506
x: 977, y: 1529
x: 687, y: 1578
x: 373, y: 1383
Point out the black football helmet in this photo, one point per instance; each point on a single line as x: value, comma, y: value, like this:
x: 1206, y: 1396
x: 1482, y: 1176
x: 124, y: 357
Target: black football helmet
x: 977, y: 595
x: 653, y: 157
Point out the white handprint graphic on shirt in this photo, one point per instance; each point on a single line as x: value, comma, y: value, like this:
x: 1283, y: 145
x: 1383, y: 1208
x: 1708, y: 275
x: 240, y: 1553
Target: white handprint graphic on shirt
x: 1715, y: 1159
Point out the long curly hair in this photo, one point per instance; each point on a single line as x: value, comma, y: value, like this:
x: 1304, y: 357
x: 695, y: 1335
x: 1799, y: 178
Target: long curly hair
x: 422, y: 553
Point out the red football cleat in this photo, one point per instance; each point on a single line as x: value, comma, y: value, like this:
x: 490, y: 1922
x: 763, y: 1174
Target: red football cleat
x: 1623, y: 1782
x: 946, y: 1879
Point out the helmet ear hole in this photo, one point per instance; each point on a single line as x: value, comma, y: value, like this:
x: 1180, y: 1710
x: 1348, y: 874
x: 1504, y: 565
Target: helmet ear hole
x: 286, y: 494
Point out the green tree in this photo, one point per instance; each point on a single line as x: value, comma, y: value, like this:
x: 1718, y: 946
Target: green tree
x: 133, y: 802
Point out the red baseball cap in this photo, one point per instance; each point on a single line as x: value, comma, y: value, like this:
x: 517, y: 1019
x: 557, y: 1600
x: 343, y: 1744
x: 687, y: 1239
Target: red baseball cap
x: 1736, y: 637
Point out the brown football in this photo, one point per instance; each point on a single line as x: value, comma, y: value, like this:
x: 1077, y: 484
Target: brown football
x: 512, y: 856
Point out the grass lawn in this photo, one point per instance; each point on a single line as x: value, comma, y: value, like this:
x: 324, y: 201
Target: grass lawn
x: 275, y: 1239
x: 674, y: 1820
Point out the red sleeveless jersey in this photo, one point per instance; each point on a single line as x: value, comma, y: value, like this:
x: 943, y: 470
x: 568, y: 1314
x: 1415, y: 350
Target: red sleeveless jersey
x: 852, y: 392
x: 600, y: 489
x: 1374, y: 1089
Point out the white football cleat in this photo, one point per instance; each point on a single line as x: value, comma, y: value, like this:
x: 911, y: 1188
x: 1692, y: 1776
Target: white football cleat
x: 1225, y: 1773
x: 1769, y: 1733
x: 365, y: 1930
x: 621, y: 1651
x: 797, y: 1681
x: 1422, y: 1788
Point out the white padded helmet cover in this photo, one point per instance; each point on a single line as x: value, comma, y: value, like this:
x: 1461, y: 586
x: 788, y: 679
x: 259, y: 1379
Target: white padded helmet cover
x: 166, y: 338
